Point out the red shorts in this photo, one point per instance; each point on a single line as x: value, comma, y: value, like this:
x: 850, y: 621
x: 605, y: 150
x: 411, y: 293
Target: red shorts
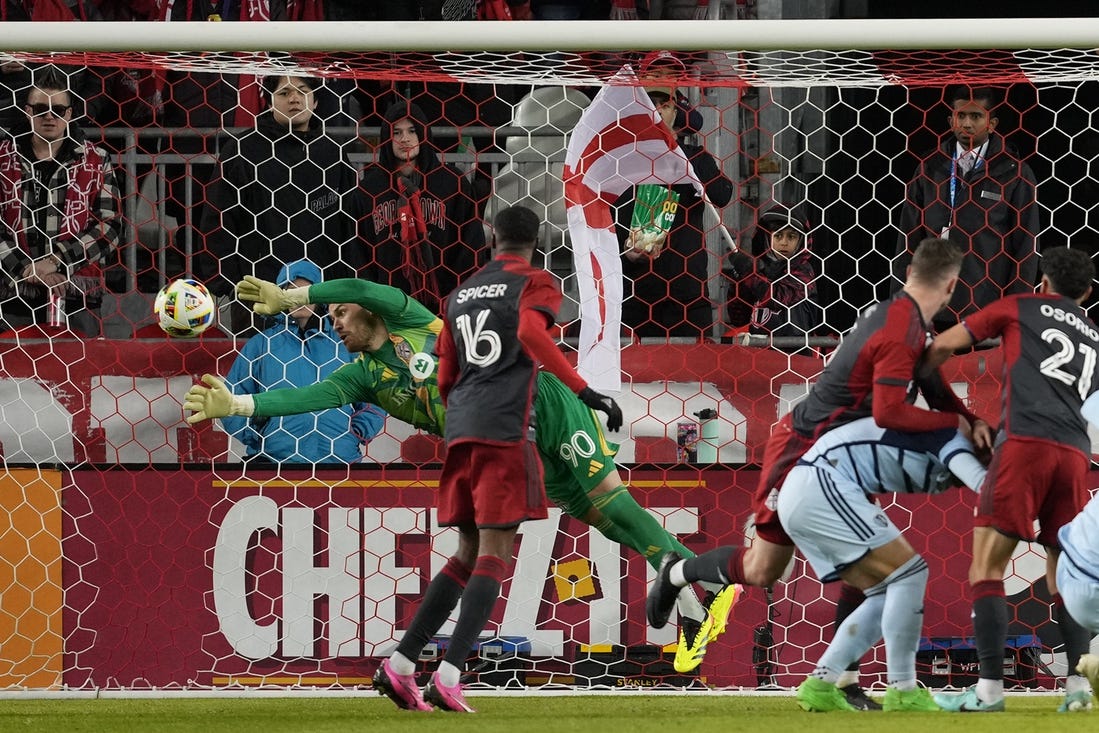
x: 1033, y: 479
x: 491, y: 485
x: 783, y: 449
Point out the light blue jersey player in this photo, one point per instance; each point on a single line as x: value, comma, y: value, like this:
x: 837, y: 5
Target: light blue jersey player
x: 826, y: 507
x: 1078, y: 565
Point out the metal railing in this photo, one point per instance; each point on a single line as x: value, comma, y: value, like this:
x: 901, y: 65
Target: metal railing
x: 138, y: 156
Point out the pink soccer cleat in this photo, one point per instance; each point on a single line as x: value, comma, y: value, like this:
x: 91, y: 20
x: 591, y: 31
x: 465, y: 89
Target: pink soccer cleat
x: 446, y: 698
x: 400, y: 688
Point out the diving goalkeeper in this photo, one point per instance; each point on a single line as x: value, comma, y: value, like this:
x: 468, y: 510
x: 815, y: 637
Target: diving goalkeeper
x: 394, y: 336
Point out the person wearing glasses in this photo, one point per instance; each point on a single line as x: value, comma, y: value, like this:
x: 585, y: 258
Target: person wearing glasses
x: 60, y: 222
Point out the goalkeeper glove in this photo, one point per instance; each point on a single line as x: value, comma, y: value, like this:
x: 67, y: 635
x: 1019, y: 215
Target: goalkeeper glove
x: 215, y: 400
x: 603, y: 403
x: 268, y: 298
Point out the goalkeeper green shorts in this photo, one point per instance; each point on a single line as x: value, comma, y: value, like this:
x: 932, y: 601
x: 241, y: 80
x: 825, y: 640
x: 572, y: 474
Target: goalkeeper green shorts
x: 576, y: 455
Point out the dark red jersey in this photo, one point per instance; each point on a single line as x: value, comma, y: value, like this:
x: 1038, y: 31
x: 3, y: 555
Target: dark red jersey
x: 490, y: 376
x: 880, y: 354
x: 1050, y: 366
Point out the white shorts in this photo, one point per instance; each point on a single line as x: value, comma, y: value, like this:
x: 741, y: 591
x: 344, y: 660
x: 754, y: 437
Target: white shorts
x: 1079, y: 593
x: 831, y: 520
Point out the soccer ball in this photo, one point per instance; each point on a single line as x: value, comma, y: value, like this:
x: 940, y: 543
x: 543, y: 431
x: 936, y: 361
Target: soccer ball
x: 184, y: 308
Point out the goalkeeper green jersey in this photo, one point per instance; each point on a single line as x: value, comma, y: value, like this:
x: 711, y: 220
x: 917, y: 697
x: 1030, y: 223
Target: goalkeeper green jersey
x: 400, y: 377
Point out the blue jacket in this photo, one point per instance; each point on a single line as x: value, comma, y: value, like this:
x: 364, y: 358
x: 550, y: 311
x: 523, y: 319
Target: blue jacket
x: 285, y: 356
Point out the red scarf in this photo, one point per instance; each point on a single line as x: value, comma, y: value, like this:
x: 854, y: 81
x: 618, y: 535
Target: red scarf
x: 419, y: 266
x: 85, y: 181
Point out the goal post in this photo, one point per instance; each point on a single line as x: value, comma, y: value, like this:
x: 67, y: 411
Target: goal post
x: 145, y: 553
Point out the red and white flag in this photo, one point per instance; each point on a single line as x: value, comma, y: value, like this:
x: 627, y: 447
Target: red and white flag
x: 619, y: 142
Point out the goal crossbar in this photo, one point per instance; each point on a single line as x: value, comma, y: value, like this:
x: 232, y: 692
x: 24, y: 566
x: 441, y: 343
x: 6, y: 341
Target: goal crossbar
x: 786, y: 34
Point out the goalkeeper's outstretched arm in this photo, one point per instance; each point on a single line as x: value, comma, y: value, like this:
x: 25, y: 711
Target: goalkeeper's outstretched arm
x: 212, y: 399
x: 267, y: 298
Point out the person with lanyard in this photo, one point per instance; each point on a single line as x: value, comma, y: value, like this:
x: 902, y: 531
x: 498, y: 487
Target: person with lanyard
x: 975, y: 191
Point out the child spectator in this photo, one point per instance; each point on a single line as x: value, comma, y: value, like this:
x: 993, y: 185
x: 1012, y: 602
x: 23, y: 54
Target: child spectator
x: 774, y: 293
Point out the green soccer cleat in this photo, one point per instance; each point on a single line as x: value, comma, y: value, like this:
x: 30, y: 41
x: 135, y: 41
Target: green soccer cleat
x: 817, y: 696
x: 694, y: 637
x: 917, y: 700
x: 1076, y: 702
x: 720, y: 606
x: 968, y: 702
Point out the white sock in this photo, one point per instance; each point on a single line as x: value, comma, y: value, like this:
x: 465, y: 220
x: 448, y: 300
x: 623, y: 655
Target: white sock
x: 904, y: 685
x: 676, y: 575
x: 847, y: 678
x: 448, y: 674
x: 689, y: 605
x: 990, y: 690
x: 401, y: 664
x: 826, y: 674
x: 1076, y: 683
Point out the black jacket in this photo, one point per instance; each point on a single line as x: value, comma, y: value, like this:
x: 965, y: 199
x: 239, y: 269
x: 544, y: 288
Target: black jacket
x: 454, y: 246
x: 681, y: 272
x: 282, y: 196
x: 995, y: 222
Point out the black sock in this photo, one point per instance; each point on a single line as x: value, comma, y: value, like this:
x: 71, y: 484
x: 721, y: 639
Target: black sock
x: 1077, y: 638
x: 710, y: 566
x: 990, y: 627
x: 440, y: 598
x: 477, y: 603
x: 850, y: 599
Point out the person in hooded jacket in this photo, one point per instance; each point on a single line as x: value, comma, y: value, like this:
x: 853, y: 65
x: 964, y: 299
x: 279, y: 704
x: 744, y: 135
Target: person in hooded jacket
x: 417, y: 219
x: 301, y: 349
x: 774, y: 293
x: 281, y: 196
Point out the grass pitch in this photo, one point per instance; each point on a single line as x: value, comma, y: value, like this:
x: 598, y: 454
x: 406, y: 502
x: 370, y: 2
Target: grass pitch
x: 617, y: 713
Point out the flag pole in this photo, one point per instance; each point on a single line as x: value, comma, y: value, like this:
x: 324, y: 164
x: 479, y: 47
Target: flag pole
x: 729, y: 241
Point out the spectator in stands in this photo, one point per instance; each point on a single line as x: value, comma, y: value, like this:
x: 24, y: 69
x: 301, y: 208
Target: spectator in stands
x: 975, y: 191
x: 670, y: 289
x: 282, y: 195
x: 301, y: 349
x: 665, y: 64
x: 59, y: 213
x: 774, y: 293
x: 484, y: 9
x: 416, y: 216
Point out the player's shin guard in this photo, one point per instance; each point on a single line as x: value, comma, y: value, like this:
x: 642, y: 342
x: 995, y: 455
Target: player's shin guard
x: 859, y: 631
x: 440, y: 598
x: 990, y: 627
x: 902, y: 618
x: 478, y: 601
x: 713, y: 566
x: 1077, y: 638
